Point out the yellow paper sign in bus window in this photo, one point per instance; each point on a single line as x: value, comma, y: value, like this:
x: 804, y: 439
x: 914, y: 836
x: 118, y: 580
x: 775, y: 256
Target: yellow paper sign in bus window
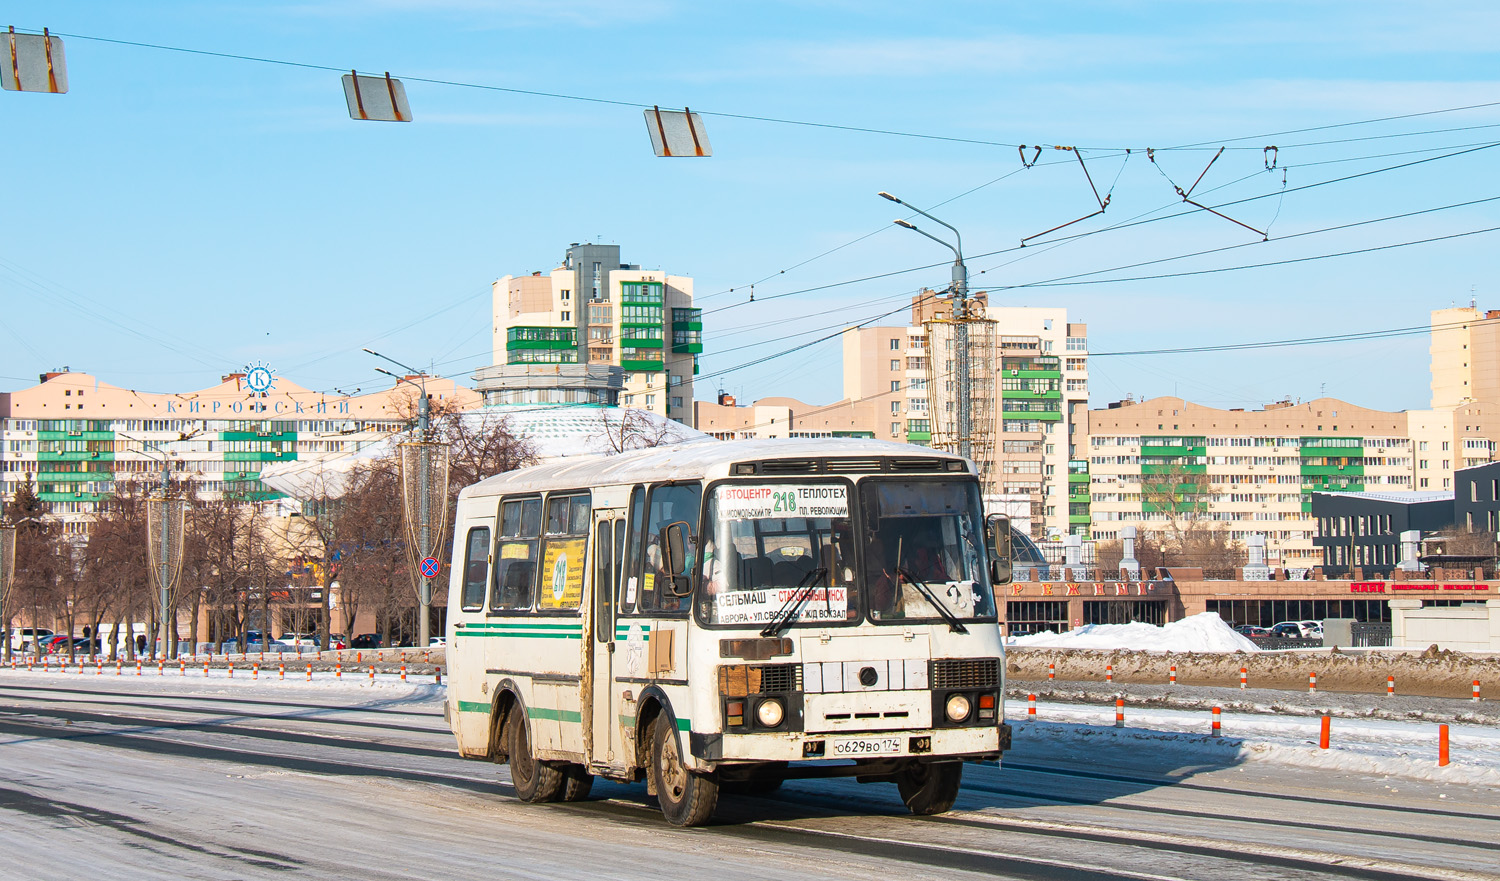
x: 562, y: 574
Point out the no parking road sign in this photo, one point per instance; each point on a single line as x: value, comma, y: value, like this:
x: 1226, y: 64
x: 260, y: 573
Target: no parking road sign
x: 430, y: 567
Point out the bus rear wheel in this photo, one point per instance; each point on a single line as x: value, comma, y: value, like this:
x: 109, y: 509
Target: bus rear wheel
x: 534, y: 779
x: 686, y: 799
x: 930, y: 788
x: 577, y: 782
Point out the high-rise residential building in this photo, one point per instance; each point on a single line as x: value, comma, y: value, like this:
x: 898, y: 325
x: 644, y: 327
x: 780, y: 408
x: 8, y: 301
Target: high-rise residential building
x: 78, y: 439
x: 1465, y: 354
x: 1038, y: 448
x: 595, y: 330
x: 1258, y: 468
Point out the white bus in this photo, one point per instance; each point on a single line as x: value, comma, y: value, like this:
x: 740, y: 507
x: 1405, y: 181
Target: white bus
x: 726, y: 616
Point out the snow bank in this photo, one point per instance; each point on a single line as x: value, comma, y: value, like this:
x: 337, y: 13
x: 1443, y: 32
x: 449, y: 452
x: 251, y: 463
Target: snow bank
x: 1205, y: 632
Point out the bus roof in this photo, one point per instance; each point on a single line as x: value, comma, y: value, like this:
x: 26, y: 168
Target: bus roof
x: 689, y: 461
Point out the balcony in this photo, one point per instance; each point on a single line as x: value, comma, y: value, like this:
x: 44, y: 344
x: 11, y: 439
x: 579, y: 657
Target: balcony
x: 541, y: 338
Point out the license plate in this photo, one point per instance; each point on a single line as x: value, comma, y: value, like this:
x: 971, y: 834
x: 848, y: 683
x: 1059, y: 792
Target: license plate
x: 867, y: 746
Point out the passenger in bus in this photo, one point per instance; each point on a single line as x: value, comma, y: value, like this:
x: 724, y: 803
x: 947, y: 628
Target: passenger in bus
x: 910, y: 544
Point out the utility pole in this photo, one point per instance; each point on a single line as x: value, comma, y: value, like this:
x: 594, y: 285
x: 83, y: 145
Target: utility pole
x: 960, y: 302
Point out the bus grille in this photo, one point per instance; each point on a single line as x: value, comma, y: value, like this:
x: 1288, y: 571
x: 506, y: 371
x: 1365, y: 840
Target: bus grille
x: 778, y: 678
x: 966, y: 673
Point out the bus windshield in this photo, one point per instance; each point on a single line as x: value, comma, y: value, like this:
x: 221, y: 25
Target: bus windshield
x: 768, y: 546
x: 923, y: 547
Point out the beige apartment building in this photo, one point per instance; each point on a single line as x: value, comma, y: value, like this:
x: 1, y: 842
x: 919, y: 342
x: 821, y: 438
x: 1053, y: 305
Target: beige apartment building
x: 1263, y: 465
x: 786, y: 417
x: 610, y: 317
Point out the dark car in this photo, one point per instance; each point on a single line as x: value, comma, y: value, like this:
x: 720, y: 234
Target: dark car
x: 1253, y: 632
x: 365, y: 641
x: 1287, y: 630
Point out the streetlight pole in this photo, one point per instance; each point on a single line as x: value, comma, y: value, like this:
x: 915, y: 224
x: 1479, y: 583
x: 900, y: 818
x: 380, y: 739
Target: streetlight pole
x: 165, y: 561
x: 960, y: 290
x: 423, y: 524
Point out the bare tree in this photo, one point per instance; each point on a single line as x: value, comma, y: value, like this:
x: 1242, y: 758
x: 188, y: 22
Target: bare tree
x: 627, y: 429
x: 41, y: 558
x: 1192, y: 537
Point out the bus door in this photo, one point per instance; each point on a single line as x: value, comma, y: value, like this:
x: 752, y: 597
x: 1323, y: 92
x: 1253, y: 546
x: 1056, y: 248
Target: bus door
x: 609, y: 549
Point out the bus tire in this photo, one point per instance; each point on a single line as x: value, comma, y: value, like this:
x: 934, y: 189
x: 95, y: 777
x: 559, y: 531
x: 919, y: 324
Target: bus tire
x: 686, y: 799
x: 534, y: 780
x: 930, y: 788
x: 577, y: 782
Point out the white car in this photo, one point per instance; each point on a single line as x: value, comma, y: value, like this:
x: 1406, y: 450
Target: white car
x: 435, y: 641
x: 22, y: 638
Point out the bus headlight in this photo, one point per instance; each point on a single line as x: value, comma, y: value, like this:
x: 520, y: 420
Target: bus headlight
x: 957, y: 708
x: 770, y: 712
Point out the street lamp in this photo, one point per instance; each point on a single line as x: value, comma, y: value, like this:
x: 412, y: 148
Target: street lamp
x: 424, y: 491
x: 166, y: 522
x: 960, y: 290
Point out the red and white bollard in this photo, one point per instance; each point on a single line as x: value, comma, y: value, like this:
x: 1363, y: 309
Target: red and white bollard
x: 372, y: 674
x: 1442, y: 745
x: 403, y: 672
x: 1172, y: 675
x: 137, y: 666
x: 427, y: 656
x: 255, y: 671
x: 182, y: 666
x: 1051, y: 671
x: 1031, y: 706
x: 1119, y: 712
x: 1215, y: 732
x: 1109, y: 672
x: 205, y: 668
x: 98, y: 666
x: 1476, y: 690
x: 1312, y: 682
x: 438, y: 676
x: 281, y: 671
x: 338, y: 670
x: 309, y: 672
x: 1243, y: 676
x: 161, y: 667
x: 231, y: 669
x: 119, y: 667
x: 1390, y: 686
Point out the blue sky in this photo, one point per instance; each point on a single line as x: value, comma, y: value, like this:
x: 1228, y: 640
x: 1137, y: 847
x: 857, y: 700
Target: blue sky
x: 176, y: 216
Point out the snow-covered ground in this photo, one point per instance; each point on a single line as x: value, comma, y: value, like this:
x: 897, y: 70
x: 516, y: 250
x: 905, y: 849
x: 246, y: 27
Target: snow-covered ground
x: 1204, y: 632
x: 218, y: 681
x: 1404, y: 749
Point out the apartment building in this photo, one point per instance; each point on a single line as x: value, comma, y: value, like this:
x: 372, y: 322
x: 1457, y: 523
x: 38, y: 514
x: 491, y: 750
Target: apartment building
x: 78, y: 438
x: 607, y: 316
x: 779, y: 417
x: 1037, y: 445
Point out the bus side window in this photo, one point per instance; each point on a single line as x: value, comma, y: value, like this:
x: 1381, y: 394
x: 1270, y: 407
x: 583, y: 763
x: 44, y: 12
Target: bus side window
x: 516, y: 554
x: 476, y: 568
x: 604, y: 570
x: 630, y: 576
x: 669, y: 504
x: 563, y: 553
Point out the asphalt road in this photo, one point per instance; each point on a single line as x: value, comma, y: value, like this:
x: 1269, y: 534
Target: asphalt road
x: 104, y: 778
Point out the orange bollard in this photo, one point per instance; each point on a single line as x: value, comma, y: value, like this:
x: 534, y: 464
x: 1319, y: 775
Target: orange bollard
x: 359, y: 657
x: 309, y: 672
x: 427, y: 656
x: 1216, y: 722
x: 1172, y: 675
x: 119, y: 666
x: 1031, y: 705
x: 1109, y: 672
x: 1243, y: 673
x: 403, y: 672
x: 1476, y: 689
x: 372, y: 674
x: 1323, y: 737
x: 98, y: 666
x: 338, y: 670
x: 255, y: 671
x: 231, y: 669
x: 205, y: 668
x: 281, y: 671
x: 1119, y: 712
x: 1051, y: 671
x: 137, y: 666
x: 1312, y: 682
x: 1442, y: 745
x: 182, y: 666
x: 1390, y: 686
x: 161, y: 667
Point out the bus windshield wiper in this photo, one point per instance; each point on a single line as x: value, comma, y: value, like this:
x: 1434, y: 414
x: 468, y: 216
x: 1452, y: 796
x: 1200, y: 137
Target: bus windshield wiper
x: 942, y: 609
x: 788, y: 611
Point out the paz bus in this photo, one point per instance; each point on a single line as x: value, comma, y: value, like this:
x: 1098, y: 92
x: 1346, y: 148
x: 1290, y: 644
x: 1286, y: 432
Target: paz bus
x: 724, y: 616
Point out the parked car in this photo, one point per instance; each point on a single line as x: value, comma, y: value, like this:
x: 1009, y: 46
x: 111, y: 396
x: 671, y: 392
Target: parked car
x: 22, y: 637
x: 1289, y: 630
x: 365, y: 641
x: 296, y: 639
x: 1251, y: 631
x: 1313, y: 629
x: 436, y: 641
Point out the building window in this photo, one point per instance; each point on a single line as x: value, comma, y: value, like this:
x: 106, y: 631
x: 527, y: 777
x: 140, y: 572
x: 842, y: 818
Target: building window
x: 1422, y: 483
x: 677, y: 402
x: 895, y: 365
x: 895, y: 407
x: 895, y: 385
x: 651, y: 400
x: 895, y: 428
x: 1077, y: 344
x: 567, y: 295
x: 567, y: 316
x: 1445, y: 446
x: 1422, y: 446
x: 895, y: 345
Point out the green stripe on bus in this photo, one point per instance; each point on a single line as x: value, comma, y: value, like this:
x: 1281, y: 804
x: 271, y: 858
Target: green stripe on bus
x: 473, y: 707
x: 522, y: 634
x: 554, y: 715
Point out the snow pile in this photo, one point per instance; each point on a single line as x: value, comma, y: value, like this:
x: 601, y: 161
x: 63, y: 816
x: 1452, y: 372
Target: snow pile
x: 1205, y: 632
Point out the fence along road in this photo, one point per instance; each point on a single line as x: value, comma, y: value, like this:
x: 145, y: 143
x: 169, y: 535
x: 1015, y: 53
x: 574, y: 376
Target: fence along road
x: 111, y: 776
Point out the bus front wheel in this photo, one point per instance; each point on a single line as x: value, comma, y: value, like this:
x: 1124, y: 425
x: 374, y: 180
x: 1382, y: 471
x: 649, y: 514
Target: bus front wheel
x: 534, y: 779
x: 930, y: 788
x: 687, y: 799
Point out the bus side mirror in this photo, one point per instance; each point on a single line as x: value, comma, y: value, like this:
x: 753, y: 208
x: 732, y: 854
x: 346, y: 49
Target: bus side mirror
x: 674, y: 548
x: 1000, y: 551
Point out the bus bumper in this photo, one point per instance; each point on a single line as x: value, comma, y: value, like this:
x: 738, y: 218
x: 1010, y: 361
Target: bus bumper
x: 952, y: 743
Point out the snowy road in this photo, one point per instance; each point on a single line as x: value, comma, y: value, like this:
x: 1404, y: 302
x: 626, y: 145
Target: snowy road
x: 119, y: 777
